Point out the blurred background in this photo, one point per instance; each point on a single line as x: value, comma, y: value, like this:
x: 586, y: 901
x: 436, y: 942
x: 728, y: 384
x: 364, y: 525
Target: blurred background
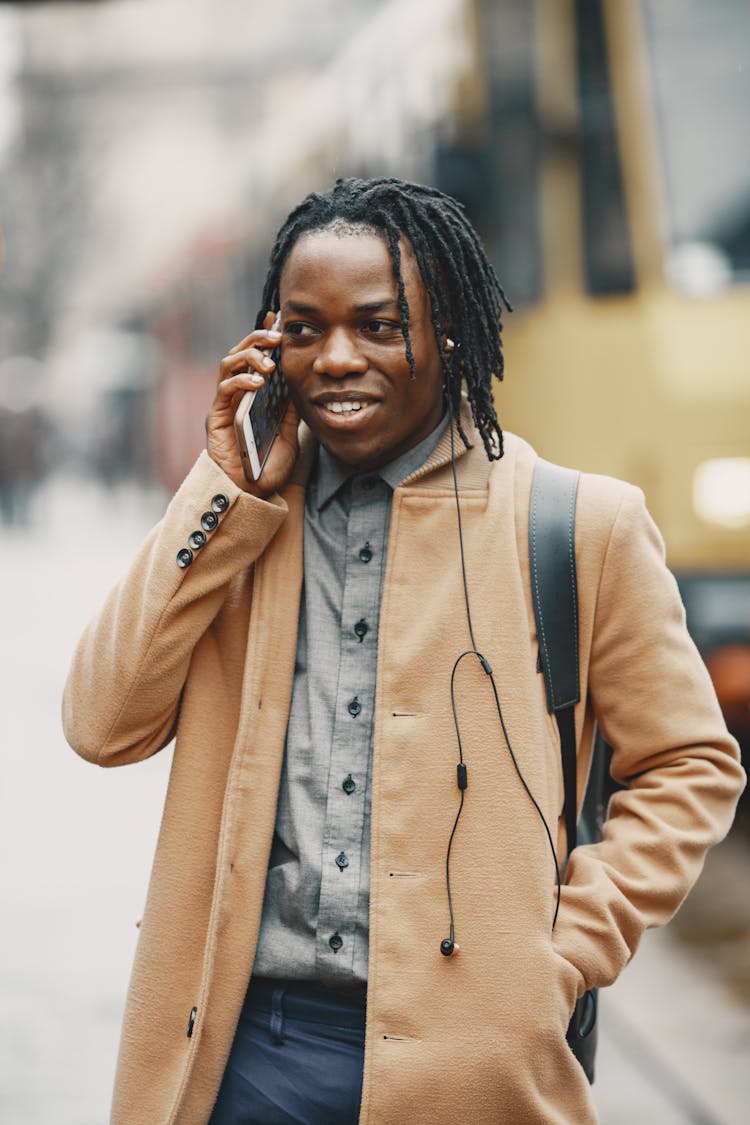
x: 148, y: 151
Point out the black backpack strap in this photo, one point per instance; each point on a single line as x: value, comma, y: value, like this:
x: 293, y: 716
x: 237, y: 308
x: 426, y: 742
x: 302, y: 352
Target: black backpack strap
x: 552, y: 513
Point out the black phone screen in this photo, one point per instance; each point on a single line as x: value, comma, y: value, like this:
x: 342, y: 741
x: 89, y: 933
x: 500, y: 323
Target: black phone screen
x: 268, y: 409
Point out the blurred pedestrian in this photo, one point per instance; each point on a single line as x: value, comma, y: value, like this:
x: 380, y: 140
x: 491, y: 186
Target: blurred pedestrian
x: 24, y: 446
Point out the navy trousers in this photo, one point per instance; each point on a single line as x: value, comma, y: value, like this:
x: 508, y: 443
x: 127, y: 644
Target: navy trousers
x: 296, y: 1058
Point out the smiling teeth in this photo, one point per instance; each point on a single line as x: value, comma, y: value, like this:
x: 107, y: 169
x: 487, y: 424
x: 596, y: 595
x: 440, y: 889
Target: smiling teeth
x: 344, y: 407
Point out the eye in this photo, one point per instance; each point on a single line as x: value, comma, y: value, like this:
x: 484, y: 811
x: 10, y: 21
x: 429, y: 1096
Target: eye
x: 382, y: 327
x: 297, y: 328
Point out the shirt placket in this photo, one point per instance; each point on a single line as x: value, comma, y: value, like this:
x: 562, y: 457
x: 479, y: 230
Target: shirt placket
x: 342, y: 942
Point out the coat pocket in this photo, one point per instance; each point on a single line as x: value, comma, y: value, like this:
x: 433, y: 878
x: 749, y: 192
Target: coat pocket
x: 571, y: 985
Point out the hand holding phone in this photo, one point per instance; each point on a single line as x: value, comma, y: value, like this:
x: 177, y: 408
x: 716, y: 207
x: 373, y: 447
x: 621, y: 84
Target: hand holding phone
x: 243, y: 373
x: 259, y: 415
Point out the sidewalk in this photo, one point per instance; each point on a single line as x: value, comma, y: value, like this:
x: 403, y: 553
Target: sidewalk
x: 674, y: 1048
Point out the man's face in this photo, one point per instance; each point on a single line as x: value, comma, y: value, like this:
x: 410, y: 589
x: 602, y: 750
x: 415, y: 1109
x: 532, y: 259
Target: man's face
x: 343, y: 352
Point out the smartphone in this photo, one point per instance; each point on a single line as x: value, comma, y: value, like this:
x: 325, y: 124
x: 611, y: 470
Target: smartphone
x: 258, y: 418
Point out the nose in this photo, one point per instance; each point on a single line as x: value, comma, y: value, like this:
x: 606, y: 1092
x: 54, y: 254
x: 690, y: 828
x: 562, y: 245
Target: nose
x: 340, y: 355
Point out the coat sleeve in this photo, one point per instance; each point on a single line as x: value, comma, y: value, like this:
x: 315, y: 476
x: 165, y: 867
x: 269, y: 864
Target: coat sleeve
x: 657, y: 708
x: 123, y: 691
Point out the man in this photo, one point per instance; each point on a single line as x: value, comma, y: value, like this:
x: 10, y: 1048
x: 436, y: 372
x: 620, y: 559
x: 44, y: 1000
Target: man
x: 298, y: 635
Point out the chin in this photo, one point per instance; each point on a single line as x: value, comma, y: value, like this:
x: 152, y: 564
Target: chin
x: 363, y: 459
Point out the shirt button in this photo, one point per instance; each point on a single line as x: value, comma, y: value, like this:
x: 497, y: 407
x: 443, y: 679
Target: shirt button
x: 342, y: 861
x: 348, y: 785
x: 365, y: 553
x: 209, y: 521
x: 219, y: 503
x: 361, y: 629
x: 353, y: 707
x: 185, y: 557
x: 196, y: 540
x: 336, y: 941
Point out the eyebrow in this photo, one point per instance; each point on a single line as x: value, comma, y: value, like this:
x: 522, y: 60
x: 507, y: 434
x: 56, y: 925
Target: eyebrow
x: 369, y: 307
x: 378, y: 306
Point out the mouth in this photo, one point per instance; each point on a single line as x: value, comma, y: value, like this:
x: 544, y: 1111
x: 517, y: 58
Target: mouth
x: 347, y: 411
x: 345, y: 407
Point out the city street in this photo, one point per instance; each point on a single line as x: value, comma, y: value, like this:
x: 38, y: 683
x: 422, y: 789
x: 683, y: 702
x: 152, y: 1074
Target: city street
x: 77, y: 844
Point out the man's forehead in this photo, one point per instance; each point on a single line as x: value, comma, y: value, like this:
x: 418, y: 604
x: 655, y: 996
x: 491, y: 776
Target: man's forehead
x: 360, y: 255
x: 382, y: 304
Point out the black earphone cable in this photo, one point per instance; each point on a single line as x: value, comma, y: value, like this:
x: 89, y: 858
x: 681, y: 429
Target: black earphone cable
x: 448, y: 945
x: 460, y: 530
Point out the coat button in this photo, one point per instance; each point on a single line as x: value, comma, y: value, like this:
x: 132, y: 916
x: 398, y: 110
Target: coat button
x: 336, y: 941
x: 361, y: 629
x: 341, y: 861
x: 353, y: 706
x: 348, y: 785
x: 219, y: 503
x: 209, y: 520
x: 365, y: 553
x: 184, y: 557
x: 196, y: 540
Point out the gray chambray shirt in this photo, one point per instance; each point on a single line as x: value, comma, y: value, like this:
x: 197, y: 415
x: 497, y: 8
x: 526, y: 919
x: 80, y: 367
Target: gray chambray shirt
x: 315, y: 921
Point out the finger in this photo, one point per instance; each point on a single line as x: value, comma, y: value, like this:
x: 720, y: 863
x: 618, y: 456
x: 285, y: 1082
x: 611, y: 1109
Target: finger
x: 231, y: 389
x: 290, y: 422
x: 250, y: 358
x: 289, y: 425
x: 260, y: 336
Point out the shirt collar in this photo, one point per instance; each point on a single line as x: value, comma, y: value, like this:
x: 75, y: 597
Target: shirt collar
x: 332, y: 474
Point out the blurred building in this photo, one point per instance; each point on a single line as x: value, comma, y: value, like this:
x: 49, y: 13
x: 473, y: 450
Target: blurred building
x: 155, y: 145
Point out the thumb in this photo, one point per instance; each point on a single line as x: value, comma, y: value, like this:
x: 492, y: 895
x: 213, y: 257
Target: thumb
x: 290, y: 422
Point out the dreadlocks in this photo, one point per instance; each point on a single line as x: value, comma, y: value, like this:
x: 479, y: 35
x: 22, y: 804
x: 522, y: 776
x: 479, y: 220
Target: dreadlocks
x: 466, y: 298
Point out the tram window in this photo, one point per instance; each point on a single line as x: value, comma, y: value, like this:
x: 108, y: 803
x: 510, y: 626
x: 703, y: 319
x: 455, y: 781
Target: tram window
x: 607, y: 252
x: 492, y: 166
x: 701, y: 82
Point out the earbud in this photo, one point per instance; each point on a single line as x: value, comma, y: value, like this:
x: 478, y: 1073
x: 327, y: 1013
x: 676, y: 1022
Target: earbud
x: 449, y: 948
x: 449, y: 344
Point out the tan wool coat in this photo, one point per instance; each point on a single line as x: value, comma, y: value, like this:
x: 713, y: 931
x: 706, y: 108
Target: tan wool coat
x: 207, y: 653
